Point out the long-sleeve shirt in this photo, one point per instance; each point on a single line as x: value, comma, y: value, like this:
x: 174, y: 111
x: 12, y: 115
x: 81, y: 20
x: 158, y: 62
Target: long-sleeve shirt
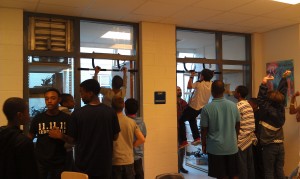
x: 247, y: 125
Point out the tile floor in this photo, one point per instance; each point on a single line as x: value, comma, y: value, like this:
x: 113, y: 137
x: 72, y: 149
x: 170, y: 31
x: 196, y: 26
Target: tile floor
x: 195, y: 174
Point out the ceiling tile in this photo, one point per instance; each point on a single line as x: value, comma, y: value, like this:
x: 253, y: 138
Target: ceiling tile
x: 29, y: 5
x: 260, y: 7
x: 195, y: 13
x: 157, y: 9
x: 60, y: 10
x: 221, y: 4
x: 230, y: 18
x: 286, y: 13
x: 67, y: 3
x: 258, y: 22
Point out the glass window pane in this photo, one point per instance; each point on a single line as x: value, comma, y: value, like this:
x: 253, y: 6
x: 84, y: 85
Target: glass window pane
x: 234, y: 47
x: 233, y: 76
x: 48, y: 72
x: 106, y: 38
x: 195, y: 44
x: 104, y: 77
x: 183, y: 76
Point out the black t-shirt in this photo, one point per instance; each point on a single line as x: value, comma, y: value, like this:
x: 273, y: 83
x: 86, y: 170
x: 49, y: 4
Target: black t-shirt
x: 93, y: 128
x: 17, y: 159
x: 50, y: 152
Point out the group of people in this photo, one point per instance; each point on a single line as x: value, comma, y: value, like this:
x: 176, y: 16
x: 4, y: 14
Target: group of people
x: 106, y: 142
x: 243, y: 139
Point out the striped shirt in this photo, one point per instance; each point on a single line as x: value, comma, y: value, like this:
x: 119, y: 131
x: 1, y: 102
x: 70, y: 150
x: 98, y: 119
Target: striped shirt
x: 247, y: 125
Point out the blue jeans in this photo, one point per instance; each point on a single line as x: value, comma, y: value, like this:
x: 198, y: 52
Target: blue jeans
x: 294, y: 173
x: 246, y: 164
x: 123, y: 171
x: 273, y: 160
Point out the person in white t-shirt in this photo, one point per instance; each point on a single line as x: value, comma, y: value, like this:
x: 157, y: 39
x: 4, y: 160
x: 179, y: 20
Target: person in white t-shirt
x: 201, y: 95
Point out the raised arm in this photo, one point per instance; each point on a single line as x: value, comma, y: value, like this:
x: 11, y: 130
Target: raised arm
x: 293, y: 109
x: 283, y: 85
x: 97, y: 70
x: 263, y: 90
x: 190, y: 82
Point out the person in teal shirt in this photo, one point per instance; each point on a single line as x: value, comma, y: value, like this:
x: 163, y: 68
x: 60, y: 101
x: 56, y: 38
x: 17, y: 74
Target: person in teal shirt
x: 219, y: 128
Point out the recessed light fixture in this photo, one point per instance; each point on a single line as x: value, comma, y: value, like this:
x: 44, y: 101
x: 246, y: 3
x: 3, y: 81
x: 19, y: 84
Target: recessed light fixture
x: 116, y: 35
x: 289, y: 1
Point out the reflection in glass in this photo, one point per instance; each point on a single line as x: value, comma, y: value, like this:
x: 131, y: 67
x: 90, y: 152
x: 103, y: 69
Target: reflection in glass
x: 106, y: 38
x: 195, y: 44
x: 234, y: 47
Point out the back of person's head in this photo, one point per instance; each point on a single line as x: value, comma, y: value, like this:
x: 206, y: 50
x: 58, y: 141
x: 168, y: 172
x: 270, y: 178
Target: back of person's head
x: 207, y: 74
x: 91, y: 85
x: 117, y: 82
x: 117, y: 103
x: 275, y: 96
x: 12, y: 106
x: 53, y: 90
x: 217, y: 88
x: 67, y: 100
x: 242, y: 90
x: 131, y: 106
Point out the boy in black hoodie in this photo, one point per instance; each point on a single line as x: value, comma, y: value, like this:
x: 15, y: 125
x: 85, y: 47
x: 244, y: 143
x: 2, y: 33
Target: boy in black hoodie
x: 17, y: 159
x: 271, y: 104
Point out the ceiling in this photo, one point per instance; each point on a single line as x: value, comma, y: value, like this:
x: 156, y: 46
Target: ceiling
x: 245, y: 16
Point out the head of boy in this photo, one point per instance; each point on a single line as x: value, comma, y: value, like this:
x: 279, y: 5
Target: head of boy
x: 207, y: 74
x: 117, y: 104
x: 16, y: 110
x: 179, y: 92
x: 276, y: 97
x: 241, y: 92
x: 52, y: 98
x: 67, y: 100
x: 117, y: 82
x: 131, y: 106
x: 217, y: 89
x: 89, y: 89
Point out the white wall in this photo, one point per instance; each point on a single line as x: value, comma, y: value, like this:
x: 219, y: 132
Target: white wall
x: 11, y: 56
x: 158, y: 67
x: 284, y: 44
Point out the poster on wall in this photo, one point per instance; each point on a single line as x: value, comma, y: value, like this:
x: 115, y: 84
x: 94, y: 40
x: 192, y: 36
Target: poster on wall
x: 276, y: 69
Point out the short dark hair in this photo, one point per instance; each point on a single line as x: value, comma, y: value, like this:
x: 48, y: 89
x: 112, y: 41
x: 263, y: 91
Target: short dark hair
x: 131, y: 106
x: 243, y: 90
x: 117, y: 103
x: 276, y: 96
x: 53, y: 89
x: 91, y: 85
x: 207, y: 74
x: 65, y: 97
x: 217, y: 87
x: 12, y: 106
x: 117, y: 82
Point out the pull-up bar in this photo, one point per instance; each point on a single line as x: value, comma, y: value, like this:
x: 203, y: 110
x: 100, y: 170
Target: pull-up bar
x: 183, y: 71
x: 87, y: 69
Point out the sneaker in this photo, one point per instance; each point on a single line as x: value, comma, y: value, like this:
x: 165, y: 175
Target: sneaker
x: 196, y: 141
x: 183, y: 144
x: 183, y: 170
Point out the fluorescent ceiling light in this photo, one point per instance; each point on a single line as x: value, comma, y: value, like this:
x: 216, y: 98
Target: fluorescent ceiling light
x: 121, y: 46
x: 116, y: 35
x: 289, y: 1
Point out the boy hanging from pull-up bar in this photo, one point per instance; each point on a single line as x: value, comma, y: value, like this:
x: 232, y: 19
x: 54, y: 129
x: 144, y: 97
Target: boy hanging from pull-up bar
x: 201, y: 95
x: 119, y: 86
